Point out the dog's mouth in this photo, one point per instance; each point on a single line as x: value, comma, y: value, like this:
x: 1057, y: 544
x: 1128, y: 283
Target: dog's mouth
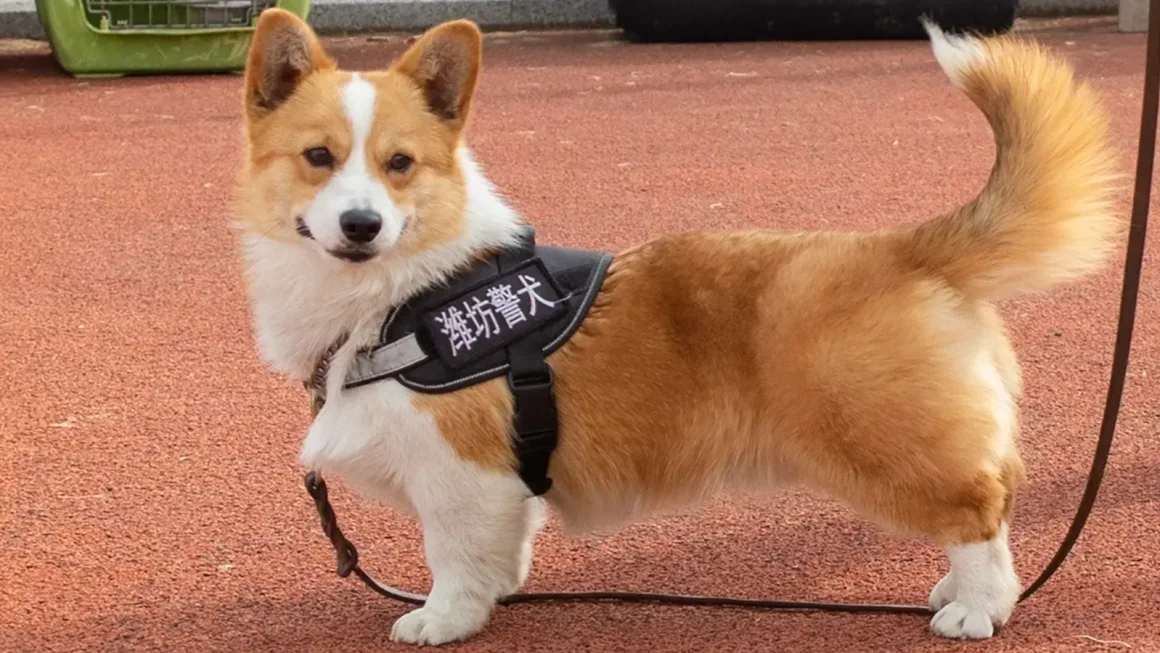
x: 302, y: 229
x: 354, y: 255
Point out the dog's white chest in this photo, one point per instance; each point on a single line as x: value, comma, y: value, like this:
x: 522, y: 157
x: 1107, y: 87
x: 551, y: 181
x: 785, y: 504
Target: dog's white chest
x: 373, y: 438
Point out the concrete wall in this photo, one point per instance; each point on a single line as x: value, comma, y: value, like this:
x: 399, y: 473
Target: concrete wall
x: 414, y: 15
x: 1134, y: 15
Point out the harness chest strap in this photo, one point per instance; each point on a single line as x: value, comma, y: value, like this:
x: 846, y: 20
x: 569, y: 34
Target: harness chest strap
x: 503, y: 316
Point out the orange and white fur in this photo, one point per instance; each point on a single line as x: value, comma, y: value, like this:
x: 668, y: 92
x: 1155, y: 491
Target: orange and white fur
x: 869, y: 366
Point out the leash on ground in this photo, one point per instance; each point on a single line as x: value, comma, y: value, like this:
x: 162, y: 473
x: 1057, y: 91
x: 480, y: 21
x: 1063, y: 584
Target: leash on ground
x: 347, y: 554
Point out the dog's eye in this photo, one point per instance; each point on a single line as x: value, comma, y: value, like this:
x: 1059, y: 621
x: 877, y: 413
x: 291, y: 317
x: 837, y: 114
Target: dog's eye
x: 400, y: 163
x: 319, y: 157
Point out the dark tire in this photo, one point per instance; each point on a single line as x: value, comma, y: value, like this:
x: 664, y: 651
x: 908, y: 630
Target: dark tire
x: 676, y: 21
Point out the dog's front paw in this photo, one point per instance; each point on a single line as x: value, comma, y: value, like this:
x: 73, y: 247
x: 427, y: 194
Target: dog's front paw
x: 943, y: 593
x: 957, y: 620
x: 428, y: 626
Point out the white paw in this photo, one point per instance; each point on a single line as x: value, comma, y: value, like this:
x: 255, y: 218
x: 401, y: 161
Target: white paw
x: 957, y: 620
x: 943, y: 593
x: 426, y: 626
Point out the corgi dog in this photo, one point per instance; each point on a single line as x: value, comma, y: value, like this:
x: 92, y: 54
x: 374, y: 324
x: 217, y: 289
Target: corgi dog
x: 871, y: 367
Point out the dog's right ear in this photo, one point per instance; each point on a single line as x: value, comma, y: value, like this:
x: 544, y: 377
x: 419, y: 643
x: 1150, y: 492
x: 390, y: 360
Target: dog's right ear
x: 283, y: 52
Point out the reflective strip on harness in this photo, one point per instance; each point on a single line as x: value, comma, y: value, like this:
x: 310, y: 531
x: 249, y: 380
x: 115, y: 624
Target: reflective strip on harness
x: 385, y: 361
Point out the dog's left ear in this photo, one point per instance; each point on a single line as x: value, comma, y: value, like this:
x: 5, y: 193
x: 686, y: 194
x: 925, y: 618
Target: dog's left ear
x: 444, y: 63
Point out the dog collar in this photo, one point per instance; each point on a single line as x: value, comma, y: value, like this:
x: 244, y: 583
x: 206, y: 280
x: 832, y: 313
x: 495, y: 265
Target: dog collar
x: 503, y: 316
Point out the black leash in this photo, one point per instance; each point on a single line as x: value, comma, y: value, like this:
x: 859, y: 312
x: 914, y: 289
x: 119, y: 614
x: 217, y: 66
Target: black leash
x: 347, y: 554
x: 1138, y: 227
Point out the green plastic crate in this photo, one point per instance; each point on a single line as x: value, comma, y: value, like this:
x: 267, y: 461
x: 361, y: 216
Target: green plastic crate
x: 119, y: 37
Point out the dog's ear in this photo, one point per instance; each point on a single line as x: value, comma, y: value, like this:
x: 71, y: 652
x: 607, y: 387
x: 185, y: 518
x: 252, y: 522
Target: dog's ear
x: 444, y: 63
x: 283, y: 52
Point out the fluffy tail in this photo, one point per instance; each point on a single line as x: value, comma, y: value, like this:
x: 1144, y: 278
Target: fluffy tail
x: 1044, y: 216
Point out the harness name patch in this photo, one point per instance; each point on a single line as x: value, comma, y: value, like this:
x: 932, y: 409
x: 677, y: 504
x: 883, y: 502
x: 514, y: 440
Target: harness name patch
x: 494, y: 314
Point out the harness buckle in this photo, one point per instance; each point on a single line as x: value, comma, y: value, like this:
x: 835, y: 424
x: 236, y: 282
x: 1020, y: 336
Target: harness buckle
x: 533, y: 380
x: 536, y: 424
x: 535, y: 408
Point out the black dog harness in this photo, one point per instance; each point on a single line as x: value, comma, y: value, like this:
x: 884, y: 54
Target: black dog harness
x: 504, y: 316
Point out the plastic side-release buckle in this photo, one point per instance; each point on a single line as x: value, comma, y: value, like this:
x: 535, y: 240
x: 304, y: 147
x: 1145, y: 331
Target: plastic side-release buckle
x: 536, y: 424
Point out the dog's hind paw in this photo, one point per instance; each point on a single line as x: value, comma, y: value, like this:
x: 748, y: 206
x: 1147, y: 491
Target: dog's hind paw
x: 428, y: 627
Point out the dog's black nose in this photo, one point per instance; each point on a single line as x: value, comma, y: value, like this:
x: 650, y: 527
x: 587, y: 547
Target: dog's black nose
x: 360, y: 225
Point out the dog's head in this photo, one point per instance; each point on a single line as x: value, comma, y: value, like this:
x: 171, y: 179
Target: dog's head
x: 358, y: 166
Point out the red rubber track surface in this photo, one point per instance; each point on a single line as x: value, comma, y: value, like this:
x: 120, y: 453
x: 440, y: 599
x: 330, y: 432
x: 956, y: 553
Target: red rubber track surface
x: 150, y: 493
